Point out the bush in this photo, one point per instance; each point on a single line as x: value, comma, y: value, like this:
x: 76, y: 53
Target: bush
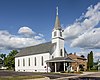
x: 94, y: 68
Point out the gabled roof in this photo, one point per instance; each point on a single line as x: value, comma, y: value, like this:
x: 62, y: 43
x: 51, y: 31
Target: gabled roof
x: 37, y: 49
x: 74, y: 56
x: 61, y: 59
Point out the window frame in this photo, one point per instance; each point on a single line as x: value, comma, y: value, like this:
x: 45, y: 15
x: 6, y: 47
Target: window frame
x: 61, y: 52
x: 18, y: 62
x: 35, y: 61
x: 29, y: 63
x: 42, y: 60
x: 61, y: 34
x: 23, y: 61
x: 55, y: 33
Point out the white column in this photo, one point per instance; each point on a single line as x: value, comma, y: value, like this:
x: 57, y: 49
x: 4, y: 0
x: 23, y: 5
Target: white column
x: 71, y: 68
x: 77, y: 68
x: 64, y: 66
x: 55, y: 67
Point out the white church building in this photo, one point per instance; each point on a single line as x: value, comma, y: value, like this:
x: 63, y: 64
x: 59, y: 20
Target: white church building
x: 46, y: 57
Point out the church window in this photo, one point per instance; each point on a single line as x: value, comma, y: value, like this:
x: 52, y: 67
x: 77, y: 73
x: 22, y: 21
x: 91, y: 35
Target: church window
x: 61, y: 34
x: 35, y: 61
x: 23, y: 62
x: 42, y: 60
x: 29, y: 61
x: 54, y: 33
x: 18, y: 62
x: 61, y: 52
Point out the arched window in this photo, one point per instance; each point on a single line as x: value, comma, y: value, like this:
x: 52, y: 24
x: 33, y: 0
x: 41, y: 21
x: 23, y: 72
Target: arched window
x: 61, y: 52
x: 42, y: 60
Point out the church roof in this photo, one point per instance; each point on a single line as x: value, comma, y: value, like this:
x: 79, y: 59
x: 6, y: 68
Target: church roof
x: 61, y: 59
x: 74, y: 56
x: 37, y: 49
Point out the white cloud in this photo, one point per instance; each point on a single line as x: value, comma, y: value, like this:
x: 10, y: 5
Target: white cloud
x: 9, y: 41
x: 96, y: 56
x: 37, y: 37
x: 41, y: 35
x: 83, y: 33
x: 26, y: 30
x: 73, y: 31
x: 89, y: 39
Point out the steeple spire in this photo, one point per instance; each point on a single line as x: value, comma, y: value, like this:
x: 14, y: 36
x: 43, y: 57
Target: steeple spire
x: 57, y: 22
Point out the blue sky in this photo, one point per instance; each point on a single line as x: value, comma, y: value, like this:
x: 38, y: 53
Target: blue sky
x: 30, y: 22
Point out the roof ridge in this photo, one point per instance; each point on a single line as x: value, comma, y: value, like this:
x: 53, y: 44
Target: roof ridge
x: 36, y: 45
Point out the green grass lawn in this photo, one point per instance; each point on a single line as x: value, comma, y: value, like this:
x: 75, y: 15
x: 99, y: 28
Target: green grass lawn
x: 20, y: 77
x: 92, y: 71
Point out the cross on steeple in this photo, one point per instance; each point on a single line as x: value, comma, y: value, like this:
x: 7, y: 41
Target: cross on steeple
x: 57, y: 10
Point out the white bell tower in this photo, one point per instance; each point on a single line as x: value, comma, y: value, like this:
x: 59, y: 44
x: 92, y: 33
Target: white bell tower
x: 57, y: 37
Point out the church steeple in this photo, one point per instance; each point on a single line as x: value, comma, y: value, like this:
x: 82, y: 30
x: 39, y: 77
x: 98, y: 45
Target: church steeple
x: 57, y: 37
x: 57, y: 22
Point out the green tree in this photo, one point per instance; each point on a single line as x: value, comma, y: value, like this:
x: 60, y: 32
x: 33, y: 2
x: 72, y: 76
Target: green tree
x: 2, y: 58
x: 88, y: 63
x: 90, y: 60
x: 10, y: 59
